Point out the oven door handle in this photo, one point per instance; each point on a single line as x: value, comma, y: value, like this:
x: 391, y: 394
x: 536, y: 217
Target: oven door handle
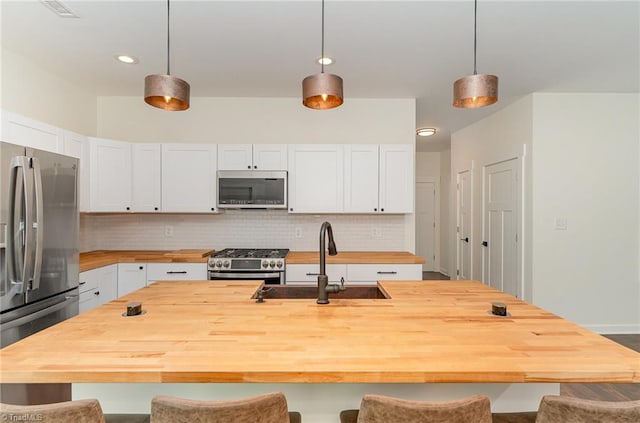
x: 241, y: 275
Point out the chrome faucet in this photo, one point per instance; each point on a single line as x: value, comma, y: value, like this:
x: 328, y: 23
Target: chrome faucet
x: 323, y: 280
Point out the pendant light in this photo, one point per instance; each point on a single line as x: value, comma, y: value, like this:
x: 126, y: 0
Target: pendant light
x: 322, y: 90
x: 475, y: 90
x: 166, y: 91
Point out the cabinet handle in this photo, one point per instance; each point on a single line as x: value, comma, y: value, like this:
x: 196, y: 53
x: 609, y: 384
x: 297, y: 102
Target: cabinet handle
x: 381, y: 209
x: 181, y: 272
x: 128, y: 208
x: 155, y: 208
x: 388, y: 273
x: 313, y: 274
x: 213, y: 208
x: 96, y: 293
x: 375, y: 209
x: 141, y: 267
x: 290, y: 209
x: 255, y: 167
x: 249, y: 167
x: 82, y: 282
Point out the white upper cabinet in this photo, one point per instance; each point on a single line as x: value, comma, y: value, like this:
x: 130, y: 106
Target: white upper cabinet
x: 189, y: 178
x: 316, y: 178
x: 361, y: 178
x: 396, y: 192
x: 110, y: 175
x: 146, y: 175
x: 76, y: 145
x: 252, y: 157
x: 21, y: 130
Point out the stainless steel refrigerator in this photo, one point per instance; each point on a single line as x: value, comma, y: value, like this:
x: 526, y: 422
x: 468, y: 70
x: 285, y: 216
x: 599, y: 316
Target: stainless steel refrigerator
x: 39, y: 230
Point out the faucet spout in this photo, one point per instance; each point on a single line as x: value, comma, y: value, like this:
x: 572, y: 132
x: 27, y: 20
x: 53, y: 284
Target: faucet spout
x: 323, y: 280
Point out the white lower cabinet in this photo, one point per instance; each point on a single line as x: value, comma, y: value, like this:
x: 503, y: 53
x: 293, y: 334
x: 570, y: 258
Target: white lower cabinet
x: 98, y: 286
x: 307, y: 274
x: 371, y: 273
x: 131, y: 277
x: 176, y: 272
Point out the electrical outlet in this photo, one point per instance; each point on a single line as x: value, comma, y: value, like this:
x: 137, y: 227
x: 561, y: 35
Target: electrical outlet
x: 376, y: 233
x: 298, y: 232
x: 168, y: 231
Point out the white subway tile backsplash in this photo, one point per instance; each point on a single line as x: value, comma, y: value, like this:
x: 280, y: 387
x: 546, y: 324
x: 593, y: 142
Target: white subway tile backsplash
x: 239, y: 229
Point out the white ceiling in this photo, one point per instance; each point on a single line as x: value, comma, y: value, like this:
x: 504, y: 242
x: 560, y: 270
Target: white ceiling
x: 383, y: 49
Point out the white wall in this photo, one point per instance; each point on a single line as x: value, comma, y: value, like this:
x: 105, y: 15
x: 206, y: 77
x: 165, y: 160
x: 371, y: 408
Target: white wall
x: 585, y: 168
x: 30, y: 91
x: 258, y: 121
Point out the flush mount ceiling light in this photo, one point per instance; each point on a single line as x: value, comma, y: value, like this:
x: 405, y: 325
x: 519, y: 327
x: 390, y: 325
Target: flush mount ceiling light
x: 322, y: 90
x: 475, y: 90
x: 124, y: 58
x: 166, y: 91
x: 425, y: 132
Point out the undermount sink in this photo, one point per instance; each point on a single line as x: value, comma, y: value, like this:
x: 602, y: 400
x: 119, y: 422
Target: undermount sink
x: 311, y: 292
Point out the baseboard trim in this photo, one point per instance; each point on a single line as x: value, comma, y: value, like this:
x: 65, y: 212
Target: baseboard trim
x: 444, y: 271
x: 631, y: 329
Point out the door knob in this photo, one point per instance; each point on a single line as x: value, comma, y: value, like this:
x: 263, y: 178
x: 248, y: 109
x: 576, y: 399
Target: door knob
x: 465, y: 239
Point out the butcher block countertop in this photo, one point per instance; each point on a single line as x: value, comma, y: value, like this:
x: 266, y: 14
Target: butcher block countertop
x: 429, y: 331
x: 99, y: 258
x: 355, y: 257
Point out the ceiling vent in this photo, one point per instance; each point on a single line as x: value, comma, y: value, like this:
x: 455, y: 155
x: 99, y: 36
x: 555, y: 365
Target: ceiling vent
x: 59, y: 9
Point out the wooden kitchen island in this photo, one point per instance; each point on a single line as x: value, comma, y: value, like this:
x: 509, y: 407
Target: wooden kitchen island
x: 431, y: 339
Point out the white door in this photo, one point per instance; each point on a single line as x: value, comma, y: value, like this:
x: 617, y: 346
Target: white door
x: 270, y: 156
x: 426, y: 224
x: 189, y: 178
x: 361, y: 178
x: 464, y: 225
x: 146, y: 174
x: 500, y: 246
x: 396, y: 178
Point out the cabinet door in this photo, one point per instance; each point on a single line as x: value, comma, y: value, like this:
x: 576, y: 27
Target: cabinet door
x: 21, y: 130
x: 189, y: 178
x: 396, y: 178
x: 145, y: 184
x: 361, y: 178
x: 88, y: 300
x: 307, y: 274
x: 131, y: 277
x: 371, y: 273
x: 108, y: 283
x: 110, y: 175
x: 76, y: 145
x: 176, y: 272
x: 270, y: 156
x: 316, y: 178
x: 235, y: 157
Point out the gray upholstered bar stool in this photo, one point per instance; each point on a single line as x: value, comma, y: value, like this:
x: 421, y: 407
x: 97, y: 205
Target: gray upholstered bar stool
x: 267, y: 408
x: 79, y: 411
x: 560, y: 409
x: 379, y: 408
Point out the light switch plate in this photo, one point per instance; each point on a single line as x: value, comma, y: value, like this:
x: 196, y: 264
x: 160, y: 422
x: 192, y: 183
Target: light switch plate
x: 560, y: 223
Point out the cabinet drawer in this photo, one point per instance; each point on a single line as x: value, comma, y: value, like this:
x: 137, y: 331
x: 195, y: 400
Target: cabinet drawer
x: 176, y: 271
x: 308, y: 273
x: 131, y: 277
x: 88, y: 300
x: 377, y: 272
x: 89, y: 280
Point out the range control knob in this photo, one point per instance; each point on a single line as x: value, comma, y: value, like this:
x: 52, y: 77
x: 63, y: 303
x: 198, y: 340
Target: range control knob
x: 265, y: 264
x: 272, y: 264
x: 218, y: 263
x: 226, y: 263
x: 279, y: 264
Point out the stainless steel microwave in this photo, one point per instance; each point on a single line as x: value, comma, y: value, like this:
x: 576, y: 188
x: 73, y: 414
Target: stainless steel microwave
x: 252, y: 189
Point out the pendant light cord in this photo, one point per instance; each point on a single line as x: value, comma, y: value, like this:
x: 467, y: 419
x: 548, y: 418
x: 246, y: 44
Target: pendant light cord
x: 475, y: 36
x: 168, y: 39
x: 322, y: 46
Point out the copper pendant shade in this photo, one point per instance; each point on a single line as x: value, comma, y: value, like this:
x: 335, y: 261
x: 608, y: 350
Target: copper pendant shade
x: 475, y: 90
x: 167, y: 92
x: 322, y: 91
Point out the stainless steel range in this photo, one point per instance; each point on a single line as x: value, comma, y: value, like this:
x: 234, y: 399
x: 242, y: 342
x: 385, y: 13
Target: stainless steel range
x: 249, y: 264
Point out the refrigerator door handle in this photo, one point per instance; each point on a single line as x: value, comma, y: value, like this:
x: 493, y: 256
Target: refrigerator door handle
x: 19, y: 163
x: 37, y: 225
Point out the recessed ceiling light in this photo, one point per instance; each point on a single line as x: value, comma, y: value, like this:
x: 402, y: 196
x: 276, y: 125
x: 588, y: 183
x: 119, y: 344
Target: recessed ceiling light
x: 325, y: 60
x: 425, y: 132
x: 124, y: 58
x: 59, y: 9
